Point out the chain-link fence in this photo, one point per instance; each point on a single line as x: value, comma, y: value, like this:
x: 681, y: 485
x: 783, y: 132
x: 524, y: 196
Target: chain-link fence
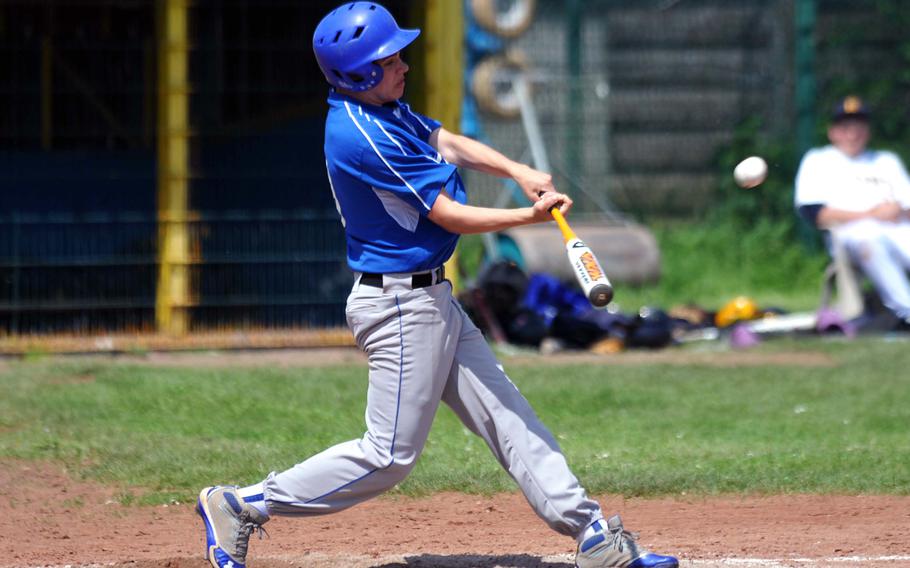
x: 635, y: 100
x: 79, y: 229
x: 636, y: 97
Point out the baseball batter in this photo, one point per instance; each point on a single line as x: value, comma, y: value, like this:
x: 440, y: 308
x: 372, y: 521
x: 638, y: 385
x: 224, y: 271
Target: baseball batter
x: 863, y: 197
x: 394, y: 176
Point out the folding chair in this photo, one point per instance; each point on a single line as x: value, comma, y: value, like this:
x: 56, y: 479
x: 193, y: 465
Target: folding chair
x: 843, y: 279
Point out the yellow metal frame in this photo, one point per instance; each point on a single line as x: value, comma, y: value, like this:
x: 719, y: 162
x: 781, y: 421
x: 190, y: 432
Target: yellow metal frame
x: 443, y: 34
x: 173, y: 295
x: 443, y: 41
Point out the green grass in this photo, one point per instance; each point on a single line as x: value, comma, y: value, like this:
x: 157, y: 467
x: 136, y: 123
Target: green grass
x: 630, y: 429
x: 710, y: 263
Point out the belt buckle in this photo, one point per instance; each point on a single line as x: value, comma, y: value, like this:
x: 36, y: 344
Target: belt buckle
x: 429, y: 278
x: 421, y: 280
x: 437, y: 275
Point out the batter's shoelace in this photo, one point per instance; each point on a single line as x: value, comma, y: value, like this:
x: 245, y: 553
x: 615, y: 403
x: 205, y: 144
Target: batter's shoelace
x: 618, y: 540
x: 243, y: 534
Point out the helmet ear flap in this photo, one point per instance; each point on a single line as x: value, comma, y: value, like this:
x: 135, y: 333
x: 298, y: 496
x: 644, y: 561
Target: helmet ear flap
x: 361, y: 79
x: 367, y: 76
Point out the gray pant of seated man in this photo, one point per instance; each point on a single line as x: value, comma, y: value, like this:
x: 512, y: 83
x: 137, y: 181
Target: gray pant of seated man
x: 423, y: 348
x: 882, y: 250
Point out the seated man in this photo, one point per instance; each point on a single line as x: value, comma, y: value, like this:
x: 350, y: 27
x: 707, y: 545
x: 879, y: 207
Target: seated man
x: 862, y: 197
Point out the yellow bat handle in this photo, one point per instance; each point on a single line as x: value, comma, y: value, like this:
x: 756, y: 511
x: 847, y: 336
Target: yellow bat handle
x: 567, y: 233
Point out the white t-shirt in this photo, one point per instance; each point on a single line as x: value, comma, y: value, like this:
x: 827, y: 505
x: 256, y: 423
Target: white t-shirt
x: 829, y: 177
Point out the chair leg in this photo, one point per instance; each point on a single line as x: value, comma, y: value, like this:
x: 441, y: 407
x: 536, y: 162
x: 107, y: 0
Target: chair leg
x: 828, y: 283
x: 849, y: 295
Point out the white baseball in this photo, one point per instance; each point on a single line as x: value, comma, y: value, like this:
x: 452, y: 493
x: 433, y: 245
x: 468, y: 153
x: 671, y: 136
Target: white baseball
x: 750, y: 172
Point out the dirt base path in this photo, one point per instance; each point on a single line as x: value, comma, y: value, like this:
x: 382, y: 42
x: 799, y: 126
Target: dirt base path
x: 48, y: 519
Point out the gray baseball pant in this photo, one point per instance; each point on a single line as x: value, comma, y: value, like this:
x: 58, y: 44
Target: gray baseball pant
x: 423, y: 348
x: 882, y: 249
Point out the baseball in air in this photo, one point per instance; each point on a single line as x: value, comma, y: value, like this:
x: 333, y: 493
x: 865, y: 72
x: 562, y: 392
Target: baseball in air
x: 750, y: 172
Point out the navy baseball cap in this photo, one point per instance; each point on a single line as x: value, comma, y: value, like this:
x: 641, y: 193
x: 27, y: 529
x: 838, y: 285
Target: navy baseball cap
x: 850, y: 107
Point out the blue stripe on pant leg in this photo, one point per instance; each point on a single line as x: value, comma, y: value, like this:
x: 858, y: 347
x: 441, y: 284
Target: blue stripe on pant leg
x: 394, y: 428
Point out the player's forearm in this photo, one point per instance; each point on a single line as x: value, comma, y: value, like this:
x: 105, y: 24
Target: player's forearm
x: 888, y: 211
x: 468, y: 153
x: 469, y: 220
x: 830, y: 217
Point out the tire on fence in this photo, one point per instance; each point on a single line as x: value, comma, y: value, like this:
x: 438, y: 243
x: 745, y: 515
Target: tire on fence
x: 493, y: 83
x: 508, y: 23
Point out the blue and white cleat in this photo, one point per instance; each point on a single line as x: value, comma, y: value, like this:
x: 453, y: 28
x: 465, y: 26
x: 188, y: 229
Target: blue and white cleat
x: 613, y: 546
x: 229, y: 522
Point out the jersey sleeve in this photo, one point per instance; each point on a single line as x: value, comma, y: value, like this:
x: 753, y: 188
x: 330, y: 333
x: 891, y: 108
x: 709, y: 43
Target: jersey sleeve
x: 812, y: 181
x: 414, y: 178
x: 899, y: 180
x: 423, y: 125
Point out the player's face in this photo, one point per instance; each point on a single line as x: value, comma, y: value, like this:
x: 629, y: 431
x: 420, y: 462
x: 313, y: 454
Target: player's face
x: 391, y: 87
x: 850, y: 135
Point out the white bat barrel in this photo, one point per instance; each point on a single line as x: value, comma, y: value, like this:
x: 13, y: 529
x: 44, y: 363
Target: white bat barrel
x: 589, y: 273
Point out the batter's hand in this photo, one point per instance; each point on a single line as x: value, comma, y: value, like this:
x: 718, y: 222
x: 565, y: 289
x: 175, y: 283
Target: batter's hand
x: 547, y: 201
x: 533, y: 182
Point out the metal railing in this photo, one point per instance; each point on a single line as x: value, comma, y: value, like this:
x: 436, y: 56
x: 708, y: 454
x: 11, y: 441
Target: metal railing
x: 97, y: 272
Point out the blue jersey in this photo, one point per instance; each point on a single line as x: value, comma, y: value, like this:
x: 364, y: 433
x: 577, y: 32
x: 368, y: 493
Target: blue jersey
x: 385, y: 177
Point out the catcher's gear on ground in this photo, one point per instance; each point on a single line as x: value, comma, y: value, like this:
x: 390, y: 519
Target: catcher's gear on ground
x: 741, y: 308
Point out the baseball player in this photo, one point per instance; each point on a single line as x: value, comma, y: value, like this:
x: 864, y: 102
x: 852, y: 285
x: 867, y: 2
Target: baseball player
x: 393, y: 173
x: 862, y: 197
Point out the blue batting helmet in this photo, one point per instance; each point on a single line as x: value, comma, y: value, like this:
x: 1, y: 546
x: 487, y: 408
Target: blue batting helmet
x: 351, y: 37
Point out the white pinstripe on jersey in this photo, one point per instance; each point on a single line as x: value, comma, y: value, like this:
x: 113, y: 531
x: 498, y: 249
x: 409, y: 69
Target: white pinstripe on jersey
x: 347, y: 106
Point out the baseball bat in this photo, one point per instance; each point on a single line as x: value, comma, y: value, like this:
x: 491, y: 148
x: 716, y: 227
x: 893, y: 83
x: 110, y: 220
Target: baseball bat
x: 587, y: 270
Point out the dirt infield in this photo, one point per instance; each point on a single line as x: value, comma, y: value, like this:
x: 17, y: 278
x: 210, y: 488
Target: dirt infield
x: 50, y: 519
x: 47, y: 518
